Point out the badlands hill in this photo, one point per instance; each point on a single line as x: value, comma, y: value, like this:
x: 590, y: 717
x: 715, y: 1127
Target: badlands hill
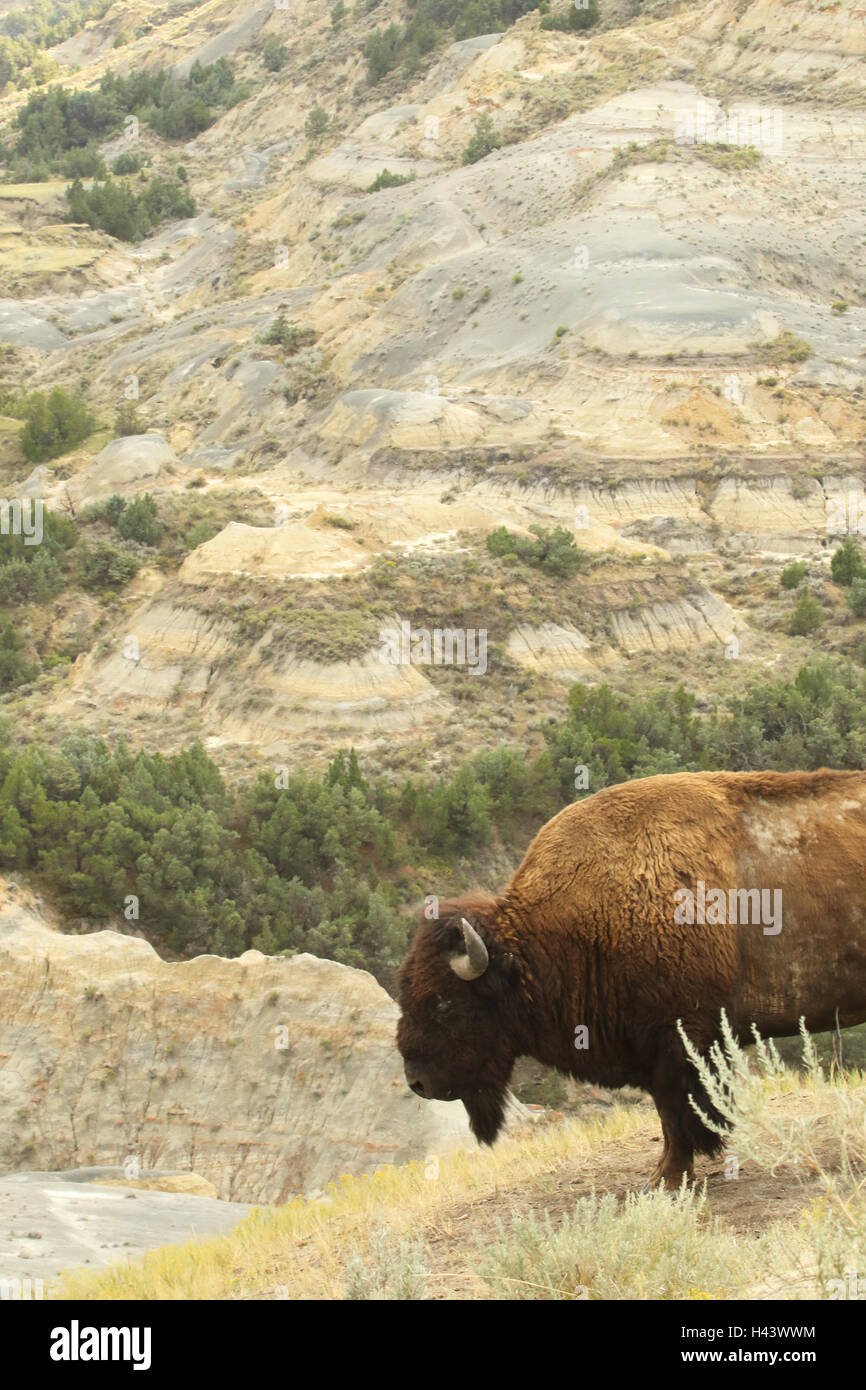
x: 638, y: 317
x: 268, y: 1078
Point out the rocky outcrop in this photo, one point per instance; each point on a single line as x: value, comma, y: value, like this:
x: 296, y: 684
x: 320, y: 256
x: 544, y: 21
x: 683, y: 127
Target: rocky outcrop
x: 173, y: 655
x: 127, y: 465
x: 266, y: 1076
x: 554, y: 649
x: 679, y: 624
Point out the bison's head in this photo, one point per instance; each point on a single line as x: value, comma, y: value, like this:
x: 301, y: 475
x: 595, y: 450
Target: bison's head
x: 459, y: 1000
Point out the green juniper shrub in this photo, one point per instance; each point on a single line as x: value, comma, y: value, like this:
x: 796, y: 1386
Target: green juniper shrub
x: 807, y: 617
x: 793, y: 575
x: 139, y: 522
x: 846, y: 564
x: 105, y: 567
x: 54, y: 423
x: 552, y: 551
x: 483, y: 142
x: 127, y: 163
x: 275, y: 55
x: 574, y: 18
x: 857, y: 597
x: 15, y: 669
x: 289, y: 336
x: 388, y: 180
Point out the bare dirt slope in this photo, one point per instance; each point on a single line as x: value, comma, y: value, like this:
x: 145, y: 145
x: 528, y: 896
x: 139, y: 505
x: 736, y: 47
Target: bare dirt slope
x: 639, y: 317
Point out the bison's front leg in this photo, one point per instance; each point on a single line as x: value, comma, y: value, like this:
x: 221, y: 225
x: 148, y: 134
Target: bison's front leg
x: 673, y: 1081
x: 675, y: 1162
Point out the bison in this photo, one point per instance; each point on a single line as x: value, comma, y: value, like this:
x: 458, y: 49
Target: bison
x: 667, y: 898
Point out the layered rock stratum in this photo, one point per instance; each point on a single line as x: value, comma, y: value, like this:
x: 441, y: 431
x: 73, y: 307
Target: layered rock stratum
x: 640, y: 317
x: 267, y: 1077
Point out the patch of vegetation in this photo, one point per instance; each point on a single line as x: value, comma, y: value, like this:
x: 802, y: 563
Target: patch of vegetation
x: 279, y: 865
x: 723, y: 156
x: 15, y: 669
x: 31, y: 570
x: 321, y: 633
x: 382, y: 51
x: 53, y: 423
x: 127, y: 163
x: 60, y: 126
x: 127, y: 421
x: 114, y: 207
x: 275, y: 55
x: 664, y: 150
x: 388, y: 180
x: 388, y: 1267
x: 857, y: 597
x: 48, y: 22
x: 793, y: 575
x: 27, y: 31
x: 136, y: 520
x: 200, y: 534
x: 552, y: 551
x: 530, y: 1258
x: 846, y: 564
x: 433, y: 23
x: 807, y: 616
x: 317, y: 123
x: 106, y: 568
x: 786, y: 348
x: 291, y: 337
x: 484, y: 140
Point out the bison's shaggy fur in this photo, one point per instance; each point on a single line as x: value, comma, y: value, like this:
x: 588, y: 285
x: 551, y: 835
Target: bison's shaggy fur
x: 586, y: 935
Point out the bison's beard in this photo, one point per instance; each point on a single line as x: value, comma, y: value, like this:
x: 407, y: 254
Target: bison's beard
x: 486, y: 1110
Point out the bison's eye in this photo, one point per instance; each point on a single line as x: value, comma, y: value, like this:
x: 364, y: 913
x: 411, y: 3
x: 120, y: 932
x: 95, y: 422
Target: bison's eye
x: 443, y: 1007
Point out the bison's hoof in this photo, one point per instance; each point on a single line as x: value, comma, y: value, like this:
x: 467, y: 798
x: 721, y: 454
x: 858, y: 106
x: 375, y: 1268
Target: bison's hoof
x: 670, y: 1183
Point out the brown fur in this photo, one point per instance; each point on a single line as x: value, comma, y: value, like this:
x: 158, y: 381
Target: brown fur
x: 584, y: 933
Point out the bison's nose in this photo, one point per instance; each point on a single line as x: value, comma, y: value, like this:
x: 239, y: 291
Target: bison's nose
x: 416, y: 1081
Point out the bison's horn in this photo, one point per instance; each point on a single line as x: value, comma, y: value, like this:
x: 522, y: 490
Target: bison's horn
x: 476, y: 960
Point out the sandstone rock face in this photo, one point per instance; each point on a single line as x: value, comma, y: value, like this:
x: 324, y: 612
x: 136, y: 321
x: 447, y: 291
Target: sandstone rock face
x: 267, y: 1077
x: 125, y: 465
x: 181, y: 654
x: 559, y: 649
x: 663, y: 626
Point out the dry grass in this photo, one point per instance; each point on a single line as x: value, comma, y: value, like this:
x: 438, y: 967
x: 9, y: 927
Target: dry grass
x: 557, y: 1212
x: 34, y: 192
x: 303, y: 1246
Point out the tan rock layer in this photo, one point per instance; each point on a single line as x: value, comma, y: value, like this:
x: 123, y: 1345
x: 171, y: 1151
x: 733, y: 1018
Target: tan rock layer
x: 265, y: 1076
